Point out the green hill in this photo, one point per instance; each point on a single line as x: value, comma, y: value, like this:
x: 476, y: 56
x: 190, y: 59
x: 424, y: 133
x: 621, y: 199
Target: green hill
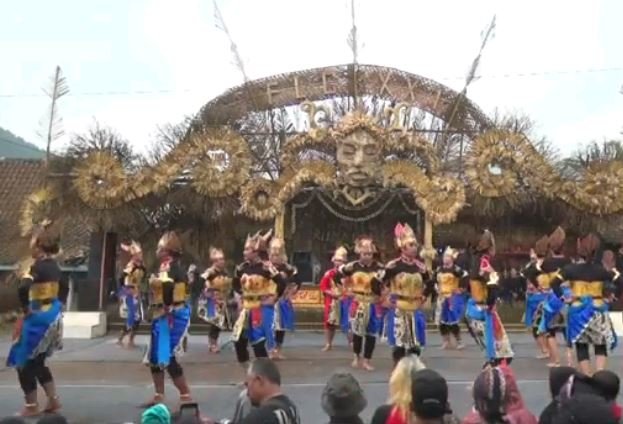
x: 14, y: 147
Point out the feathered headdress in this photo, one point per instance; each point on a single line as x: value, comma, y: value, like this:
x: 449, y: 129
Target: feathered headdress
x: 541, y: 246
x: 588, y: 245
x: 170, y: 242
x: 277, y: 247
x: 557, y: 240
x: 340, y: 254
x: 453, y: 253
x: 364, y: 244
x: 258, y: 241
x: 133, y: 248
x: 47, y: 237
x: 216, y: 253
x: 403, y: 235
x: 486, y: 243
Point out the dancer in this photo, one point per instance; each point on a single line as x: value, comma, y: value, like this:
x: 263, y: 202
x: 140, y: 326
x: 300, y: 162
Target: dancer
x: 484, y: 322
x: 451, y: 281
x: 366, y: 288
x: 130, y: 301
x: 551, y: 319
x: 259, y: 283
x: 407, y: 278
x: 332, y: 293
x: 588, y: 319
x: 170, y: 320
x: 213, y: 300
x: 284, y: 310
x: 535, y: 295
x: 39, y: 334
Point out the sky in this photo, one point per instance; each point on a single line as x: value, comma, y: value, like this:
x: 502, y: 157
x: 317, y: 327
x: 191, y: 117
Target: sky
x: 137, y: 65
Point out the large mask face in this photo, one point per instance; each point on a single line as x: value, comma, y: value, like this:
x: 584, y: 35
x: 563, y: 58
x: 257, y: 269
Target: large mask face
x: 358, y: 159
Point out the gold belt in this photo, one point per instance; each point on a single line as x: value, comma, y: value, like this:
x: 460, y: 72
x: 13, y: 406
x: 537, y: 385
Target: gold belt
x: 47, y: 291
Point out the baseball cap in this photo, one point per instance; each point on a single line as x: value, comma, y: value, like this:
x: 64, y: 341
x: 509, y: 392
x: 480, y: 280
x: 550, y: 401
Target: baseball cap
x: 429, y: 394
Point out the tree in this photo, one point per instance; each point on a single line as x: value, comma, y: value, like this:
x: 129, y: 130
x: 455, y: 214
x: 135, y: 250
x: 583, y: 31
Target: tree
x: 592, y: 156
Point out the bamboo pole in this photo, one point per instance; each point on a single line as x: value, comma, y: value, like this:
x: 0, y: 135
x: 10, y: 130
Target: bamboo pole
x: 428, y: 242
x: 280, y: 221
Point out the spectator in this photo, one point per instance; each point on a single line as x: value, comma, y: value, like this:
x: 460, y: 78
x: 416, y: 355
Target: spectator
x: 157, y: 414
x: 558, y: 376
x: 585, y: 409
x: 264, y: 390
x: 53, y: 419
x: 417, y: 396
x: 243, y: 407
x: 343, y: 399
x: 12, y: 420
x: 497, y: 399
x: 609, y: 384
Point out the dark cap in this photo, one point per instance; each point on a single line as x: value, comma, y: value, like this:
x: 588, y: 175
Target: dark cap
x: 343, y: 396
x: 429, y: 394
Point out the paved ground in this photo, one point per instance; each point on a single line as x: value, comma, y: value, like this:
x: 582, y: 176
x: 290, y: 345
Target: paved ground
x: 101, y: 383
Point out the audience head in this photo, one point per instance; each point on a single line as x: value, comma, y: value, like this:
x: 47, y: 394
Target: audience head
x: 400, y: 382
x: 490, y: 394
x: 343, y: 397
x: 157, y: 414
x: 585, y: 409
x: 52, y: 419
x: 609, y: 384
x: 558, y: 376
x: 263, y: 380
x: 12, y: 420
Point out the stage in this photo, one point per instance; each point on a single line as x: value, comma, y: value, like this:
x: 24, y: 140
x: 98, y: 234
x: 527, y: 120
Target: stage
x: 102, y: 383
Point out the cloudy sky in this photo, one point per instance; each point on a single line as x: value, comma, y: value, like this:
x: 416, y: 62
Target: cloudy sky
x: 134, y: 65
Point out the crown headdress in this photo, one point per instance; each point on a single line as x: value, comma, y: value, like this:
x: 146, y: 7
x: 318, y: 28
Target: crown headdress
x: 171, y: 242
x: 258, y: 241
x: 403, y: 235
x: 364, y: 244
x: 133, y: 248
x: 340, y: 254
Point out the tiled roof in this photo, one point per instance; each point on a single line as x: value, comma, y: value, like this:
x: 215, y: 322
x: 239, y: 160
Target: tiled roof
x: 19, y: 178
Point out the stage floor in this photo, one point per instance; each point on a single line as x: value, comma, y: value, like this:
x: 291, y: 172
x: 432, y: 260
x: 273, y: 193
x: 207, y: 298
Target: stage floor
x: 102, y: 383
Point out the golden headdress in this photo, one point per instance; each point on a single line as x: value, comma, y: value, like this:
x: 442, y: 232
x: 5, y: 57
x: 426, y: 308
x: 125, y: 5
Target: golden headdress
x: 258, y: 241
x: 170, y: 242
x: 340, y: 254
x: 541, y: 246
x: 277, y: 247
x: 453, y: 253
x: 588, y: 245
x: 47, y: 237
x: 403, y: 235
x: 557, y: 240
x: 216, y: 253
x: 364, y: 244
x: 133, y: 248
x: 486, y: 243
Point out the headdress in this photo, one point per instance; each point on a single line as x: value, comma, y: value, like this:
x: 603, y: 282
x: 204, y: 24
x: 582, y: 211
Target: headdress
x: 47, y: 237
x: 133, y: 248
x: 453, y: 253
x: 403, y: 235
x: 557, y: 239
x: 216, y: 253
x: 258, y: 241
x: 588, y: 245
x: 364, y: 244
x: 277, y: 247
x: 486, y: 243
x: 540, y: 247
x: 170, y: 242
x: 340, y: 254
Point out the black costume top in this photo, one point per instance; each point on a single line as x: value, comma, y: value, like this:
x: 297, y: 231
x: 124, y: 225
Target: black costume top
x: 409, y: 283
x: 483, y: 284
x: 590, y: 279
x: 364, y: 279
x: 450, y: 279
x: 257, y: 280
x: 43, y: 284
x: 170, y: 287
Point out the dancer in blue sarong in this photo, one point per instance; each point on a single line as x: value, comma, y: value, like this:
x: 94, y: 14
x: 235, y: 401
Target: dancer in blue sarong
x: 130, y: 302
x: 170, y: 320
x: 451, y: 284
x: 38, y: 334
x: 284, y: 309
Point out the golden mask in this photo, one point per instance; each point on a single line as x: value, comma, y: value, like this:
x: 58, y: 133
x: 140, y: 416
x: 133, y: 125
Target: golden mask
x: 478, y: 290
x: 448, y: 283
x: 43, y: 291
x: 409, y: 289
x: 594, y: 289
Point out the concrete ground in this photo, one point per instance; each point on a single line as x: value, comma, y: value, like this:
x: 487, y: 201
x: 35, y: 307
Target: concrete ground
x: 102, y: 383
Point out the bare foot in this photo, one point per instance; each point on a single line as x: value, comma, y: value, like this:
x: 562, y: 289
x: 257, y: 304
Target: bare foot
x: 366, y: 366
x: 355, y: 363
x: 542, y: 356
x: 153, y: 401
x: 460, y: 346
x: 553, y: 364
x: 53, y: 405
x: 119, y: 342
x: 327, y: 348
x: 30, y: 410
x: 444, y: 346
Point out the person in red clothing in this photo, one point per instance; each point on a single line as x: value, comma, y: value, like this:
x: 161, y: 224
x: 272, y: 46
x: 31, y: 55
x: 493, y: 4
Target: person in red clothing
x: 332, y: 293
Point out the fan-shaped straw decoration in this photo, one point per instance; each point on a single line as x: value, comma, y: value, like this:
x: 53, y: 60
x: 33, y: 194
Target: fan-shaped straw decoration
x: 35, y: 209
x: 222, y: 163
x: 317, y: 172
x: 101, y: 181
x: 258, y: 200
